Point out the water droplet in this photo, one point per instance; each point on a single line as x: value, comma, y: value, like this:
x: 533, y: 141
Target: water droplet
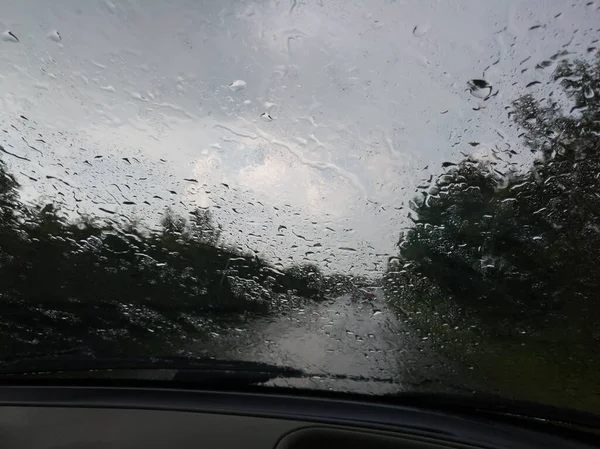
x: 237, y: 85
x: 111, y: 6
x: 533, y: 83
x: 54, y: 35
x: 480, y: 88
x: 420, y: 30
x: 543, y: 64
x: 9, y: 36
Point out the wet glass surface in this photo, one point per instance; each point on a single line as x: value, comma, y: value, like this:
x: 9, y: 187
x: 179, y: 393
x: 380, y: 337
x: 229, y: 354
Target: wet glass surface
x: 403, y: 192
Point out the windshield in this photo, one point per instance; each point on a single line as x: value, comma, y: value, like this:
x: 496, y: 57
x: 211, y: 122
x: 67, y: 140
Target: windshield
x: 405, y: 193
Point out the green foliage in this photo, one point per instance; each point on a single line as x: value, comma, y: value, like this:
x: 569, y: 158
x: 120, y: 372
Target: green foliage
x: 114, y: 290
x: 8, y: 195
x: 500, y: 269
x: 518, y: 249
x: 308, y: 281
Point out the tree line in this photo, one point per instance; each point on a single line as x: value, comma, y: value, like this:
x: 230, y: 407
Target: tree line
x: 513, y: 255
x: 95, y: 286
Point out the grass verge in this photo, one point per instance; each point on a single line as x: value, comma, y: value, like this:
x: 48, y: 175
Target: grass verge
x: 553, y: 367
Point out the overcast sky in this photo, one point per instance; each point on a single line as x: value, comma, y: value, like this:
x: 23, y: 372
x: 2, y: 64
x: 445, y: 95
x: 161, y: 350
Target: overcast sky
x: 362, y: 102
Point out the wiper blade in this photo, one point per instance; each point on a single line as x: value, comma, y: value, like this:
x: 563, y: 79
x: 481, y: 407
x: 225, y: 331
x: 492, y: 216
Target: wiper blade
x: 87, y: 362
x: 189, y: 372
x: 195, y: 372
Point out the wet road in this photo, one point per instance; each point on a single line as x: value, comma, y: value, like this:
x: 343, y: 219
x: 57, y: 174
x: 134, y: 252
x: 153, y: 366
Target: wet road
x: 341, y: 336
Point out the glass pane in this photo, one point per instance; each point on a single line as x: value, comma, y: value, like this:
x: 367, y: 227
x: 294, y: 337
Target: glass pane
x: 391, y: 196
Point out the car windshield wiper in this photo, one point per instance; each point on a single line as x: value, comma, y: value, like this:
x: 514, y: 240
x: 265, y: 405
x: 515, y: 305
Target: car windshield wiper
x: 197, y: 372
x: 174, y: 368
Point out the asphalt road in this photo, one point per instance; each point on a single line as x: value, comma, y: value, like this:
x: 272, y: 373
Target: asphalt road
x: 340, y: 337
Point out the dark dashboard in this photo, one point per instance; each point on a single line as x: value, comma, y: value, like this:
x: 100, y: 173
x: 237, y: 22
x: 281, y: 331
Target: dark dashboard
x: 71, y: 417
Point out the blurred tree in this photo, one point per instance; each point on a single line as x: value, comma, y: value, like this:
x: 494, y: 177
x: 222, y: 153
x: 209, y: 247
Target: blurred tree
x: 305, y: 280
x: 109, y: 289
x: 173, y: 225
x: 517, y: 249
x: 8, y: 193
x: 203, y: 228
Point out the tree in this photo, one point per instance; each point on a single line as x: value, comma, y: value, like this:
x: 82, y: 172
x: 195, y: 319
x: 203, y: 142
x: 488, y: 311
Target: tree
x: 173, y: 225
x: 203, y: 228
x: 518, y: 249
x: 114, y: 290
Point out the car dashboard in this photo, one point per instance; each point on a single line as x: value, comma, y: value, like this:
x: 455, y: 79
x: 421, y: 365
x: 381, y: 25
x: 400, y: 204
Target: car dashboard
x: 95, y: 417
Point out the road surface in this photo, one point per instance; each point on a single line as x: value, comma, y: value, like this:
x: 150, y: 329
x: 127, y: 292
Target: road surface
x: 340, y: 337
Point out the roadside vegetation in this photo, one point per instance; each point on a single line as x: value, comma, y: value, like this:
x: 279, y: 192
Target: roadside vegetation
x: 96, y: 287
x: 500, y: 267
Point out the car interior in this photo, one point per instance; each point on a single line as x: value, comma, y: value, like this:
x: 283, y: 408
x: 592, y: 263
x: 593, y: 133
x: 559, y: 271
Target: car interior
x: 85, y: 416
